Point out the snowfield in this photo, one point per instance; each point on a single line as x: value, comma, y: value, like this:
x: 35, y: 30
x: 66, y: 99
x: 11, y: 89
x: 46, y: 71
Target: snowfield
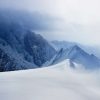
x: 58, y: 82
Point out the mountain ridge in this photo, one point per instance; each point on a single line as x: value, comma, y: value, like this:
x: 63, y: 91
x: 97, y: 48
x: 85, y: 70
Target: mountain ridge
x: 77, y: 55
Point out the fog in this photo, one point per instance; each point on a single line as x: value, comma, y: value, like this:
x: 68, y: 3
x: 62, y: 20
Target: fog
x: 77, y: 20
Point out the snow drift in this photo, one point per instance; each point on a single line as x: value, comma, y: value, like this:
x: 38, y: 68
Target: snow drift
x: 58, y: 82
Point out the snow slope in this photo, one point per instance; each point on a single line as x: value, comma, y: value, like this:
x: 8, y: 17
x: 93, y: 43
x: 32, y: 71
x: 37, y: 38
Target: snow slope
x: 77, y: 55
x: 58, y: 82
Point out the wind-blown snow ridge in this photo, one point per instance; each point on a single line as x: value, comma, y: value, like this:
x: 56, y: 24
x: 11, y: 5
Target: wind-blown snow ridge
x: 58, y: 82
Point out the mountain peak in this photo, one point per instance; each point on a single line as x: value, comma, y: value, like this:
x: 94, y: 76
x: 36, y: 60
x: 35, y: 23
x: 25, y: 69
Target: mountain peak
x: 77, y: 48
x: 74, y: 51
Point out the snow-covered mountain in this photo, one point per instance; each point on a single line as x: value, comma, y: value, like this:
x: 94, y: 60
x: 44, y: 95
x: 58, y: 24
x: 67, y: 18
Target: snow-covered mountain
x: 26, y: 53
x: 66, y: 45
x: 20, y: 47
x: 62, y: 44
x: 76, y: 55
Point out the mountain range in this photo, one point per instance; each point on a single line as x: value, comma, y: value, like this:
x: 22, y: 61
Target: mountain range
x: 21, y: 48
x: 77, y: 55
x: 91, y: 49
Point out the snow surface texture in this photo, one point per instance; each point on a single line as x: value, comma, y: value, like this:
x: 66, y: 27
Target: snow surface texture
x: 58, y: 82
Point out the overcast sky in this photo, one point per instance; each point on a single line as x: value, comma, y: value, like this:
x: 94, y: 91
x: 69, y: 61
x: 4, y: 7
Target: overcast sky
x: 80, y: 19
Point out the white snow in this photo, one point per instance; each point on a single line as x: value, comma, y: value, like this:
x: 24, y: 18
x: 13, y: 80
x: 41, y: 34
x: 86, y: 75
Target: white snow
x: 58, y: 82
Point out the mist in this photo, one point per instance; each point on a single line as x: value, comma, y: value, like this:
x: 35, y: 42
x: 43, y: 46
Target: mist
x: 70, y: 20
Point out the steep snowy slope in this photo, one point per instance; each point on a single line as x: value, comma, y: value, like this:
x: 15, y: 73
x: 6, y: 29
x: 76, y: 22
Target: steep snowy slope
x: 32, y: 48
x: 79, y: 56
x: 58, y: 82
x: 66, y: 45
x: 20, y: 47
x: 38, y: 48
x: 62, y: 44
